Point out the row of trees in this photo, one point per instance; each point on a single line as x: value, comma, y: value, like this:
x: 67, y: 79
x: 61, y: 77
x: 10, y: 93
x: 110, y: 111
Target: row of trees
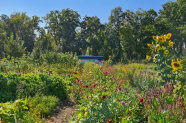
x: 124, y: 37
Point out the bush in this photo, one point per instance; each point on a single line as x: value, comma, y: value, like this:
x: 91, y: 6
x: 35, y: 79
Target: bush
x: 43, y: 106
x: 15, y: 86
x: 30, y: 110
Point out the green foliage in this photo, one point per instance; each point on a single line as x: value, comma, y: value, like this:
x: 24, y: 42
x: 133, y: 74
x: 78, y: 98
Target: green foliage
x: 43, y: 105
x: 13, y: 112
x: 14, y: 48
x: 15, y: 86
x: 33, y: 109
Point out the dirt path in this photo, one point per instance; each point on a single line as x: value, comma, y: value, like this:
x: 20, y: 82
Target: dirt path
x: 66, y: 109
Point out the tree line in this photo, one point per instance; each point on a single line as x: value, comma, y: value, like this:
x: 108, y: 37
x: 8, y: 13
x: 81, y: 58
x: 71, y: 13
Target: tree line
x: 124, y: 37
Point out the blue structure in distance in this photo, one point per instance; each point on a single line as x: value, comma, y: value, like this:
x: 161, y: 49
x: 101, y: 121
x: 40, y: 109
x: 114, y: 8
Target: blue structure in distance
x: 95, y: 59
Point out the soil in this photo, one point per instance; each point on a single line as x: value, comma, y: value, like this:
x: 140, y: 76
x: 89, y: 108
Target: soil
x: 67, y: 108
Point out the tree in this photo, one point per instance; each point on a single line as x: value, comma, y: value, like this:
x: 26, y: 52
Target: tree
x: 91, y: 28
x: 22, y: 27
x: 14, y: 48
x: 62, y: 25
x: 115, y: 20
x: 173, y: 16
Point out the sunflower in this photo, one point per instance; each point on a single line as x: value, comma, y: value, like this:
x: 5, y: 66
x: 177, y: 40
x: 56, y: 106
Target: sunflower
x: 158, y: 47
x: 149, y: 45
x: 155, y: 38
x: 168, y: 36
x: 147, y: 57
x: 178, y: 60
x: 162, y: 39
x: 176, y: 65
x: 166, y: 52
x: 171, y: 43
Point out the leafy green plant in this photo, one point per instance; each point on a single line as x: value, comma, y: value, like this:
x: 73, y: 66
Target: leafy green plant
x: 16, y: 86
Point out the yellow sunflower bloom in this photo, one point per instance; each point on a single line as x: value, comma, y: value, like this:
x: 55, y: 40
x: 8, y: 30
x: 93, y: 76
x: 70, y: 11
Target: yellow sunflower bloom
x: 158, y: 47
x: 149, y: 45
x: 171, y: 43
x: 166, y: 52
x: 162, y: 39
x: 178, y: 60
x: 155, y: 38
x: 79, y: 116
x: 168, y: 36
x: 175, y: 65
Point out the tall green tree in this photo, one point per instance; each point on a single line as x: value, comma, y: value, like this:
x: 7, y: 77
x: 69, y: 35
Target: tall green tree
x: 22, y: 27
x: 115, y: 22
x: 14, y: 48
x: 62, y: 25
x: 91, y: 28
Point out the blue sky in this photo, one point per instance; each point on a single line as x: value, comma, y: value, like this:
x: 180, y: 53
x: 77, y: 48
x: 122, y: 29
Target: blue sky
x: 100, y: 8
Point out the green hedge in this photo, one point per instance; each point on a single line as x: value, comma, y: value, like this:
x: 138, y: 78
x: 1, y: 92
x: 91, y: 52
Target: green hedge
x: 15, y: 86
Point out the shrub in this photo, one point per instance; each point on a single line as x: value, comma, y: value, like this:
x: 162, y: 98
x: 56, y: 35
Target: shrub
x: 15, y: 86
x: 43, y: 106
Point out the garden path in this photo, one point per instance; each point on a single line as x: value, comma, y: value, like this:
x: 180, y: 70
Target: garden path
x: 67, y: 107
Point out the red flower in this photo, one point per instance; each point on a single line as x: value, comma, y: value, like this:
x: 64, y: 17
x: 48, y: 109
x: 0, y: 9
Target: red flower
x: 119, y: 88
x: 141, y: 99
x: 109, y: 120
x: 87, y: 97
x: 78, y: 80
x: 118, y: 100
x: 101, y: 67
x: 180, y: 100
x: 87, y: 86
x: 94, y: 85
x: 123, y: 103
x: 104, y: 96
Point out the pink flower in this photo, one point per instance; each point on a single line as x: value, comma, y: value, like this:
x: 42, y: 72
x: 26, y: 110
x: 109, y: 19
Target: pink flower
x: 141, y: 99
x: 107, y: 72
x: 94, y: 85
x: 104, y: 96
x: 114, y: 78
x: 130, y: 117
x: 127, y: 92
x: 122, y: 103
x: 119, y: 88
x: 118, y: 100
x: 109, y: 120
x: 78, y: 80
x: 101, y: 67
